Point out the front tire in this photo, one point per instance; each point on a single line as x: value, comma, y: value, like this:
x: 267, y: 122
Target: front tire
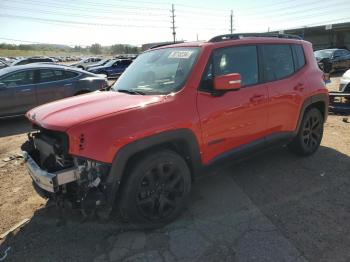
x: 156, y: 189
x: 309, y: 135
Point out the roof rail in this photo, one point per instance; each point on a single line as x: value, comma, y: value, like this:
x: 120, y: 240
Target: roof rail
x: 165, y: 44
x: 239, y: 36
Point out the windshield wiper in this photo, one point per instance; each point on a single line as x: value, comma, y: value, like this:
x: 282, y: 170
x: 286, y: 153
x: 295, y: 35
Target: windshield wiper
x: 132, y: 92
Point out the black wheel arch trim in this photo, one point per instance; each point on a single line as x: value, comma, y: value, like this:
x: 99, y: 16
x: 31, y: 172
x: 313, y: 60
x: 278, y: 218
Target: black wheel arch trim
x: 123, y: 155
x: 312, y: 100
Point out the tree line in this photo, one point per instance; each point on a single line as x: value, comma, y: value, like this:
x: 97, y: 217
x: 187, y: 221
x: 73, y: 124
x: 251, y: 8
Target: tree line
x: 94, y: 48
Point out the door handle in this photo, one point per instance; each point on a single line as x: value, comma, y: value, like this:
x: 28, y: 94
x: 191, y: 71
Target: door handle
x: 256, y: 98
x: 26, y: 90
x: 68, y: 84
x: 299, y: 87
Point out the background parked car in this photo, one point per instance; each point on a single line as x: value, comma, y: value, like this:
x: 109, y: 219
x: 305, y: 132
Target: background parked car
x: 113, y: 68
x: 87, y: 62
x: 30, y: 60
x: 333, y: 59
x: 27, y: 86
x: 101, y: 63
x: 344, y: 85
x: 3, y: 64
x: 7, y: 60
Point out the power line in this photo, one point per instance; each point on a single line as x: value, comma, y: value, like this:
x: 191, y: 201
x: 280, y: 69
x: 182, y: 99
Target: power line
x: 101, y: 7
x: 40, y: 11
x: 74, y: 22
x: 91, y: 5
x: 79, y: 9
x: 32, y: 42
x: 317, y: 24
x: 289, y: 12
x: 299, y: 19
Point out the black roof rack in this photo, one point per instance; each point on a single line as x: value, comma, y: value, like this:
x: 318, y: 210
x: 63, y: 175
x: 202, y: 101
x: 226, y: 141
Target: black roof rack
x: 239, y: 36
x: 165, y: 44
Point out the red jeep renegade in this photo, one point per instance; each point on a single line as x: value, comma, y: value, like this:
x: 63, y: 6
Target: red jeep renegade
x: 174, y: 111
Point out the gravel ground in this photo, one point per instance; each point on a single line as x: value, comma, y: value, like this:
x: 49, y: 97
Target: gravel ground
x: 271, y: 207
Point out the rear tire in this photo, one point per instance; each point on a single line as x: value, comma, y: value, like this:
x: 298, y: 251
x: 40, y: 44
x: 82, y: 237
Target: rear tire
x: 309, y: 135
x: 156, y: 189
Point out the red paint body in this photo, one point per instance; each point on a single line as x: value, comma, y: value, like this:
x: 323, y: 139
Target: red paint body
x: 110, y: 120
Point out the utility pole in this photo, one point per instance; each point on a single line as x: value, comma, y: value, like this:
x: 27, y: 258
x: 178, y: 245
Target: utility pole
x: 173, y: 21
x: 231, y: 20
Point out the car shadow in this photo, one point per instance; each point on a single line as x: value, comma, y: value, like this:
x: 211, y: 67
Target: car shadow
x: 14, y: 126
x: 306, y: 200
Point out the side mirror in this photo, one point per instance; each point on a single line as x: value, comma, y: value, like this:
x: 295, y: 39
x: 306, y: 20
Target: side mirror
x: 227, y: 82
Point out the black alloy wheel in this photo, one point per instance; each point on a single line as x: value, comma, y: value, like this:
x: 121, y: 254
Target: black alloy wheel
x: 310, y: 133
x: 156, y: 188
x: 160, y: 190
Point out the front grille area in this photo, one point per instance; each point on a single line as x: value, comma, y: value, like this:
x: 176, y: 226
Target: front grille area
x: 49, y: 149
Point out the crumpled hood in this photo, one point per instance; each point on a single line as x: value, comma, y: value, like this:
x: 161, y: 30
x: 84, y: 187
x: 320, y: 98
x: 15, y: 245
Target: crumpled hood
x: 63, y: 114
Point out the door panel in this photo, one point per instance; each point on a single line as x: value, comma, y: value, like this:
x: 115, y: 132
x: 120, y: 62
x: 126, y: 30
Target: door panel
x: 233, y: 118
x: 285, y: 87
x: 18, y: 96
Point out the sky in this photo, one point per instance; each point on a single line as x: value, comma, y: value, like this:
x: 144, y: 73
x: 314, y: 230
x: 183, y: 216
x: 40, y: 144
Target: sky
x: 135, y: 22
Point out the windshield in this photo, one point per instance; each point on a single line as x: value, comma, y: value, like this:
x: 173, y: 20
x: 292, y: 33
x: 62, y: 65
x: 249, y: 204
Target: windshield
x: 160, y: 71
x: 324, y: 53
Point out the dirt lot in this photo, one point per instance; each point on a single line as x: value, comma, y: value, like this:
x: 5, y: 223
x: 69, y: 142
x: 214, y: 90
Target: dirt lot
x: 272, y: 207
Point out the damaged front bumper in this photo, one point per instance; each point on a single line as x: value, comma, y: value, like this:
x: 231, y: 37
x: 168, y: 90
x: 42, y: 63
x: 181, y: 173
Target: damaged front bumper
x: 49, y: 181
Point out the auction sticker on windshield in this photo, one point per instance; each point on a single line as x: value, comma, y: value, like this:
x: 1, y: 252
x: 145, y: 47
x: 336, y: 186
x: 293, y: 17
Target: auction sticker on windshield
x: 180, y: 54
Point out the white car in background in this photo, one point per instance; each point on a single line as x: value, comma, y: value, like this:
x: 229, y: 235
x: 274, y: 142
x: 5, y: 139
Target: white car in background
x: 344, y: 85
x: 85, y: 62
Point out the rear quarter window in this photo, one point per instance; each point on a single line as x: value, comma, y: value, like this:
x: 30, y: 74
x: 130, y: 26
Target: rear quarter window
x: 70, y: 74
x: 298, y: 56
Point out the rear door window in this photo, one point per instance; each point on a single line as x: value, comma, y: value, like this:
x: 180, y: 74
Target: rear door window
x: 46, y: 75
x: 278, y: 62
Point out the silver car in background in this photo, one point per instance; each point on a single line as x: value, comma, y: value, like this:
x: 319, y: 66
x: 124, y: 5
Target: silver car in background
x: 28, y: 86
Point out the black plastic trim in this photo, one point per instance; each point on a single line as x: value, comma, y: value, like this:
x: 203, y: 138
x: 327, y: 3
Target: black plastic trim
x: 255, y: 146
x: 312, y: 100
x: 125, y: 153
